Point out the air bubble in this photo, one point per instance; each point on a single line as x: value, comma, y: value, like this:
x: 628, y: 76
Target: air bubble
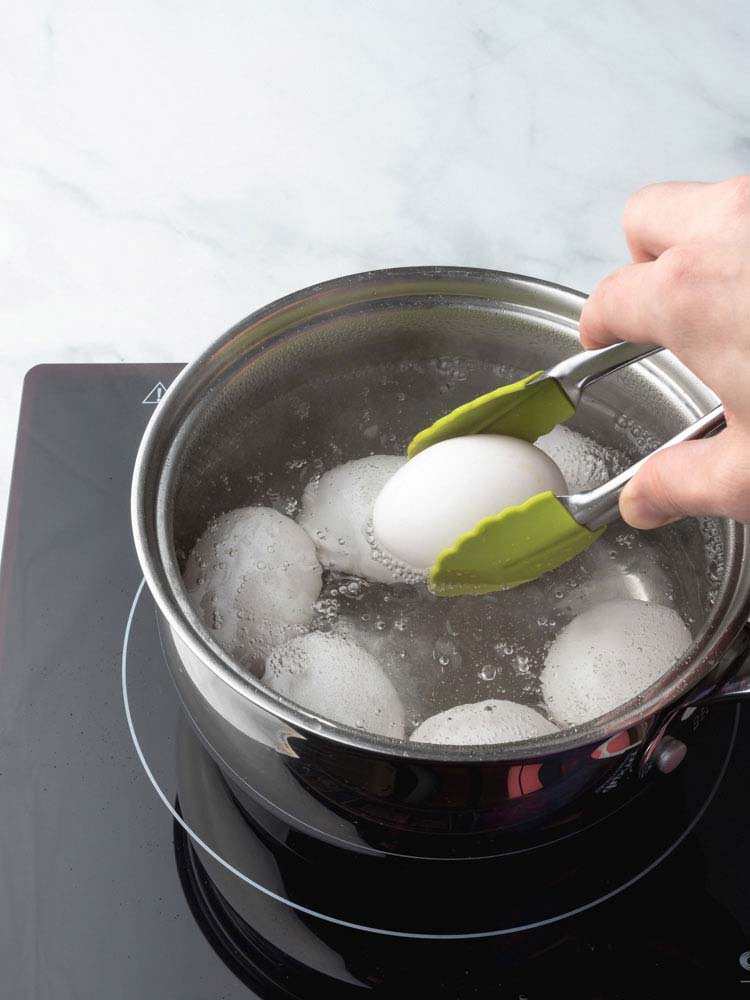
x: 521, y: 664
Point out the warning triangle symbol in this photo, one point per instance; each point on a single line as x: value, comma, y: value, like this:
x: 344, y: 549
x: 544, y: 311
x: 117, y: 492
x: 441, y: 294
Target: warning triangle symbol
x: 155, y: 395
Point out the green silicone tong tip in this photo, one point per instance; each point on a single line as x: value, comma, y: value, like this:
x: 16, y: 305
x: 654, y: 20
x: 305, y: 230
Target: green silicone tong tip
x: 526, y: 409
x: 512, y: 547
x: 522, y: 543
x: 533, y: 406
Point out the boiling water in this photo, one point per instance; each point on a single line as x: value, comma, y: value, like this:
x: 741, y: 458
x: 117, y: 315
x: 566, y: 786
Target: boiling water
x: 440, y: 652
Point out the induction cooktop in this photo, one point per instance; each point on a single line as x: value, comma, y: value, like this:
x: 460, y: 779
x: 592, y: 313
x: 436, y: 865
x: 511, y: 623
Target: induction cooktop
x: 127, y: 868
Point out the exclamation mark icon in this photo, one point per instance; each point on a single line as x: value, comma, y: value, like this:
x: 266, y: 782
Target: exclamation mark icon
x: 155, y: 395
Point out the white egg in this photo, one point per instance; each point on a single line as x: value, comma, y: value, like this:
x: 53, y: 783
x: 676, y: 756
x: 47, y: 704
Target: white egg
x: 336, y: 679
x: 336, y: 512
x: 491, y: 721
x: 450, y: 487
x: 608, y: 655
x: 253, y: 578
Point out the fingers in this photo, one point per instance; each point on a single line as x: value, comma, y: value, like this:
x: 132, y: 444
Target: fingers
x: 687, y: 240
x: 710, y: 477
x: 620, y: 308
x: 661, y: 216
x: 693, y: 300
x: 688, y: 290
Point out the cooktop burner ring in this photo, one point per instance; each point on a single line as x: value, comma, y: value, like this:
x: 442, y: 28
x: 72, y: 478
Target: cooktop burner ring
x: 387, y: 932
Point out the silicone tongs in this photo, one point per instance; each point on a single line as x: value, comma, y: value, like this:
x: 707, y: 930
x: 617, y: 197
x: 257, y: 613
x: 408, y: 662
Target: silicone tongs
x: 521, y: 543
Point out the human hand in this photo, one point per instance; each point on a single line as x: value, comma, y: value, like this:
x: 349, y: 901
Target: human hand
x: 687, y: 289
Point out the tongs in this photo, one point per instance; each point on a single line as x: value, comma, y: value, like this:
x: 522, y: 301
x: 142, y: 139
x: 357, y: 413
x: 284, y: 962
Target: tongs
x: 521, y: 543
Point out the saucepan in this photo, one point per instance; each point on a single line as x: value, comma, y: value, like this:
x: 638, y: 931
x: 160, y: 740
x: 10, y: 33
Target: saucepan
x: 373, y: 793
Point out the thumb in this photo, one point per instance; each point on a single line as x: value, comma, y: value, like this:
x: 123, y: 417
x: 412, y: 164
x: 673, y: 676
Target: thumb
x: 709, y: 477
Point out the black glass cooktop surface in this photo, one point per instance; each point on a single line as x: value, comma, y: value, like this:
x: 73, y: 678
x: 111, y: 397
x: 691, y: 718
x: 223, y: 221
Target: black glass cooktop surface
x: 120, y: 878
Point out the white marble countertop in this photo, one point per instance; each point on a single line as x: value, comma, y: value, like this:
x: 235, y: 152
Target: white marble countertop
x: 166, y: 168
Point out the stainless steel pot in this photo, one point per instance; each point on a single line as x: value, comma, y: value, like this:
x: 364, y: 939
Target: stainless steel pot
x: 342, y: 785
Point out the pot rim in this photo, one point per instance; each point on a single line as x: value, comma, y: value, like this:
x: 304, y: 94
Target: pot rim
x: 161, y: 573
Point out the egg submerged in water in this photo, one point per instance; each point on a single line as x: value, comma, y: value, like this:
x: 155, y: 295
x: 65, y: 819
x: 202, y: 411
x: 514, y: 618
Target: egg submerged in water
x: 447, y: 489
x: 609, y: 654
x: 335, y: 678
x: 336, y: 511
x: 485, y: 722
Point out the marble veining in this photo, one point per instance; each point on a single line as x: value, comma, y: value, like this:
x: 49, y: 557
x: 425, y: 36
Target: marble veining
x: 166, y: 168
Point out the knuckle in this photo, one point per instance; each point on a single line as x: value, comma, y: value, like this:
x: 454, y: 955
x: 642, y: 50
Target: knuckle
x: 680, y: 266
x: 737, y: 194
x: 603, y: 291
x: 631, y: 213
x: 678, y: 286
x: 610, y: 285
x: 600, y: 299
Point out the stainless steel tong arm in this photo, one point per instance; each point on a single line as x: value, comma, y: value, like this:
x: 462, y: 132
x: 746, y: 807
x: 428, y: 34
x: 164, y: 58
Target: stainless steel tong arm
x: 600, y: 506
x: 577, y: 373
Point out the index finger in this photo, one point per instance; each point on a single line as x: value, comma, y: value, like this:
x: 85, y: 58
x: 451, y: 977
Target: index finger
x: 621, y: 307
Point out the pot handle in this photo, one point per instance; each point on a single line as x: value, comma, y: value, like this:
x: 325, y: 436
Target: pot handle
x: 735, y: 678
x: 734, y: 686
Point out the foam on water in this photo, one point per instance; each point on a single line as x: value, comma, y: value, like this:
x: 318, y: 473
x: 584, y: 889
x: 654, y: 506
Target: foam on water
x: 608, y: 655
x: 583, y: 463
x: 333, y: 677
x: 253, y: 579
x: 491, y: 721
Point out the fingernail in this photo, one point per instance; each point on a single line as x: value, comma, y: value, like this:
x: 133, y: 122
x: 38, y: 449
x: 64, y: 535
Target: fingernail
x: 641, y: 513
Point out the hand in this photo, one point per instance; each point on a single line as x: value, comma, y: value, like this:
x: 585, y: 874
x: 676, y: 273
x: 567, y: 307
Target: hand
x: 687, y: 289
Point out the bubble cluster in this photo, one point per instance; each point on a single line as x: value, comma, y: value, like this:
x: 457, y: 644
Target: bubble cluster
x: 640, y: 437
x: 583, y: 463
x: 714, y: 548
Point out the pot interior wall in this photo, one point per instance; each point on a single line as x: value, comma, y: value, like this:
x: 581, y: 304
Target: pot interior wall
x: 257, y: 418
x: 287, y: 400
